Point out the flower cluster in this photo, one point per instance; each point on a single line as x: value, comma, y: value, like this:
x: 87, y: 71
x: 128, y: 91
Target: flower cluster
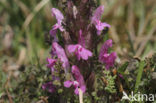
x: 78, y: 82
x: 78, y: 47
x: 105, y: 57
x: 96, y: 20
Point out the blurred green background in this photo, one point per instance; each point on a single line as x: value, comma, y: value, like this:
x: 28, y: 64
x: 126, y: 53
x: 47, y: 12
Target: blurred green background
x: 25, y: 24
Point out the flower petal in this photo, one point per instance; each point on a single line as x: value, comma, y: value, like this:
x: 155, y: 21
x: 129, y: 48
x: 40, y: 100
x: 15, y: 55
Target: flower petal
x: 68, y: 83
x: 51, y: 62
x: 97, y: 14
x: 76, y: 91
x: 85, y: 54
x: 79, y: 51
x: 72, y: 48
x: 105, y: 57
x: 78, y: 76
x: 59, y: 51
x: 59, y: 16
x: 83, y: 88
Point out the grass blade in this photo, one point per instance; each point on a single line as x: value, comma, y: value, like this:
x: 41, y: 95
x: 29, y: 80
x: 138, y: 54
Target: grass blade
x: 139, y: 75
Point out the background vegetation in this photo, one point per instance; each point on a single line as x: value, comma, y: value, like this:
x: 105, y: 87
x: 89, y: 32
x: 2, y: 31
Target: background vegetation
x: 24, y: 46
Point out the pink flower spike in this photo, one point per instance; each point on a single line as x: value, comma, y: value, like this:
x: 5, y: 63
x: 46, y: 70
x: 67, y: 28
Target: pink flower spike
x: 104, y: 48
x: 59, y: 17
x: 109, y: 60
x: 96, y: 20
x: 105, y: 57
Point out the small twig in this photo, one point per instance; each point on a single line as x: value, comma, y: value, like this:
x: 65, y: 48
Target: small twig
x: 80, y: 96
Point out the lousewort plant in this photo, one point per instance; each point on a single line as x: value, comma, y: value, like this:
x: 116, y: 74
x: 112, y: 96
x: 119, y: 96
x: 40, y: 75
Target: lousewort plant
x: 76, y: 63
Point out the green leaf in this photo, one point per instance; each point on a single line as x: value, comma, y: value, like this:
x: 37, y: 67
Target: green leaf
x: 122, y: 68
x: 139, y: 75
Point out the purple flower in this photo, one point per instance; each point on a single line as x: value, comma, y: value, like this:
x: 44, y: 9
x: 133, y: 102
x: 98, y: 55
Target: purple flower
x: 100, y: 26
x: 78, y: 82
x: 60, y: 53
x: 49, y: 86
x: 105, y: 47
x: 57, y: 26
x: 78, y: 76
x: 52, y: 33
x: 96, y: 20
x: 109, y: 60
x: 79, y: 51
x: 69, y: 83
x: 105, y: 57
x: 59, y: 17
x: 51, y: 62
x: 97, y: 14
